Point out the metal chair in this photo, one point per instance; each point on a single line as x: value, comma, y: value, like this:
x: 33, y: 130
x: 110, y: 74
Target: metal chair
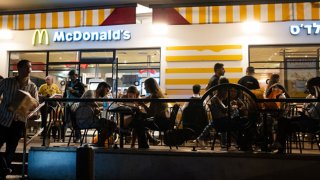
x: 172, y: 121
x: 238, y: 92
x: 82, y: 119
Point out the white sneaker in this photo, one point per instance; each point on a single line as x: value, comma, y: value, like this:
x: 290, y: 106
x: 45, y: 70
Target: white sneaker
x: 200, y: 144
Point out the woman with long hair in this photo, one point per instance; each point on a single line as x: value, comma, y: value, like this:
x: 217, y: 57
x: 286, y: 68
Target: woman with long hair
x: 157, y: 114
x: 156, y: 109
x: 274, y: 84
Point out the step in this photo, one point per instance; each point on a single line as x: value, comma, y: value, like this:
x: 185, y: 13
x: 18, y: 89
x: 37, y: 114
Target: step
x: 17, y: 163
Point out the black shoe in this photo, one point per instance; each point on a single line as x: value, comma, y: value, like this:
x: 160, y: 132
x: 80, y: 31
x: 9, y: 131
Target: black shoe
x: 4, y: 172
x: 247, y: 149
x: 144, y: 147
x: 154, y: 141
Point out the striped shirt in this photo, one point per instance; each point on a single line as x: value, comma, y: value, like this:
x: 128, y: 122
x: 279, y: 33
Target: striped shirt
x: 8, y: 88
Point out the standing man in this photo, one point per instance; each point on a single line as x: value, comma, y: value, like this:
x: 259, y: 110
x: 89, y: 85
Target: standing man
x: 74, y: 89
x: 11, y: 127
x: 218, y: 71
x: 214, y: 81
x: 46, y: 90
x: 248, y: 80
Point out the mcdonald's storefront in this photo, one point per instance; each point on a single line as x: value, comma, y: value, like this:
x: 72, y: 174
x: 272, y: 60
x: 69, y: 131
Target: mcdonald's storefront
x: 178, y: 55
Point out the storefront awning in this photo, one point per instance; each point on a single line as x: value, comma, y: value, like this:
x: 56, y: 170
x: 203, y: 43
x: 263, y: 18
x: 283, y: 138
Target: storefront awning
x: 237, y: 13
x: 67, y: 19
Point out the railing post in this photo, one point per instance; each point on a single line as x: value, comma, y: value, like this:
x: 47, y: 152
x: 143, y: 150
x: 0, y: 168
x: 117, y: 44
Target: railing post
x: 85, y: 163
x: 45, y: 123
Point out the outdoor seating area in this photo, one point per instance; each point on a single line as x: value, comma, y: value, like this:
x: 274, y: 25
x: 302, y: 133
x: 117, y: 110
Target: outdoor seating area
x: 257, y: 130
x: 253, y: 133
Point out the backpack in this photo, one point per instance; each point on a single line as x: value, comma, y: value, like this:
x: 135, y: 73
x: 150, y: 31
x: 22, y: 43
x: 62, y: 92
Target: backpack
x: 176, y: 137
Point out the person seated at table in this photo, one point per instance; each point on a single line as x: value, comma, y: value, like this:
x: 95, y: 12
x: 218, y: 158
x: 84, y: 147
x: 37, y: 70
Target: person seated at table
x: 45, y: 91
x: 157, y: 110
x: 105, y: 127
x: 275, y: 90
x: 224, y: 121
x: 133, y: 93
x: 194, y: 115
x: 307, y: 121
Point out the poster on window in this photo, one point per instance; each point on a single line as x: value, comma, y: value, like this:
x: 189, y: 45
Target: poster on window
x: 298, y: 72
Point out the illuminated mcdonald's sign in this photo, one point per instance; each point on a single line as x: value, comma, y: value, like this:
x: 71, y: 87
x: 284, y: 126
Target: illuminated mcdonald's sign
x: 42, y: 36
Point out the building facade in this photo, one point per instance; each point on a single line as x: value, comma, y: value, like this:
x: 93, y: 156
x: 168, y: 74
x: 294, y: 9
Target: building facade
x: 179, y: 54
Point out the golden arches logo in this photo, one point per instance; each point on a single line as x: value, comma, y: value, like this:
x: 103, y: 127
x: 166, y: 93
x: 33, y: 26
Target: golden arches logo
x: 42, y: 36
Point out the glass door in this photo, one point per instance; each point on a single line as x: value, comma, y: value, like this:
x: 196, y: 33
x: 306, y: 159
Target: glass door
x: 115, y: 78
x: 135, y: 66
x: 98, y: 66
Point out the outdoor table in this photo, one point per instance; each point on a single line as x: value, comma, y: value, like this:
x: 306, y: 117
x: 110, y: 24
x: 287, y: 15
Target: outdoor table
x: 122, y: 110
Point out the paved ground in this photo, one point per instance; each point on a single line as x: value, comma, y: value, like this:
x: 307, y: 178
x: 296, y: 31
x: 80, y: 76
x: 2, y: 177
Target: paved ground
x: 37, y: 142
x: 188, y: 147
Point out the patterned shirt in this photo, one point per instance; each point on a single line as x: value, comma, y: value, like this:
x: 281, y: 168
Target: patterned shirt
x: 8, y: 88
x: 49, y: 90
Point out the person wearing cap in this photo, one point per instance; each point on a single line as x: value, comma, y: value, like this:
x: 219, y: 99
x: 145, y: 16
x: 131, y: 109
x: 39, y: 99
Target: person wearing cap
x: 74, y: 89
x: 248, y: 80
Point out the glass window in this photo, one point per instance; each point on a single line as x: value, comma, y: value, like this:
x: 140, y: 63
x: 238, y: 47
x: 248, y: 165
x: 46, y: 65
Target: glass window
x: 64, y: 56
x: 62, y: 67
x: 141, y: 55
x: 38, y: 61
x: 34, y: 57
x: 131, y: 67
x: 295, y: 64
x: 60, y: 74
x: 60, y: 63
x: 97, y: 54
